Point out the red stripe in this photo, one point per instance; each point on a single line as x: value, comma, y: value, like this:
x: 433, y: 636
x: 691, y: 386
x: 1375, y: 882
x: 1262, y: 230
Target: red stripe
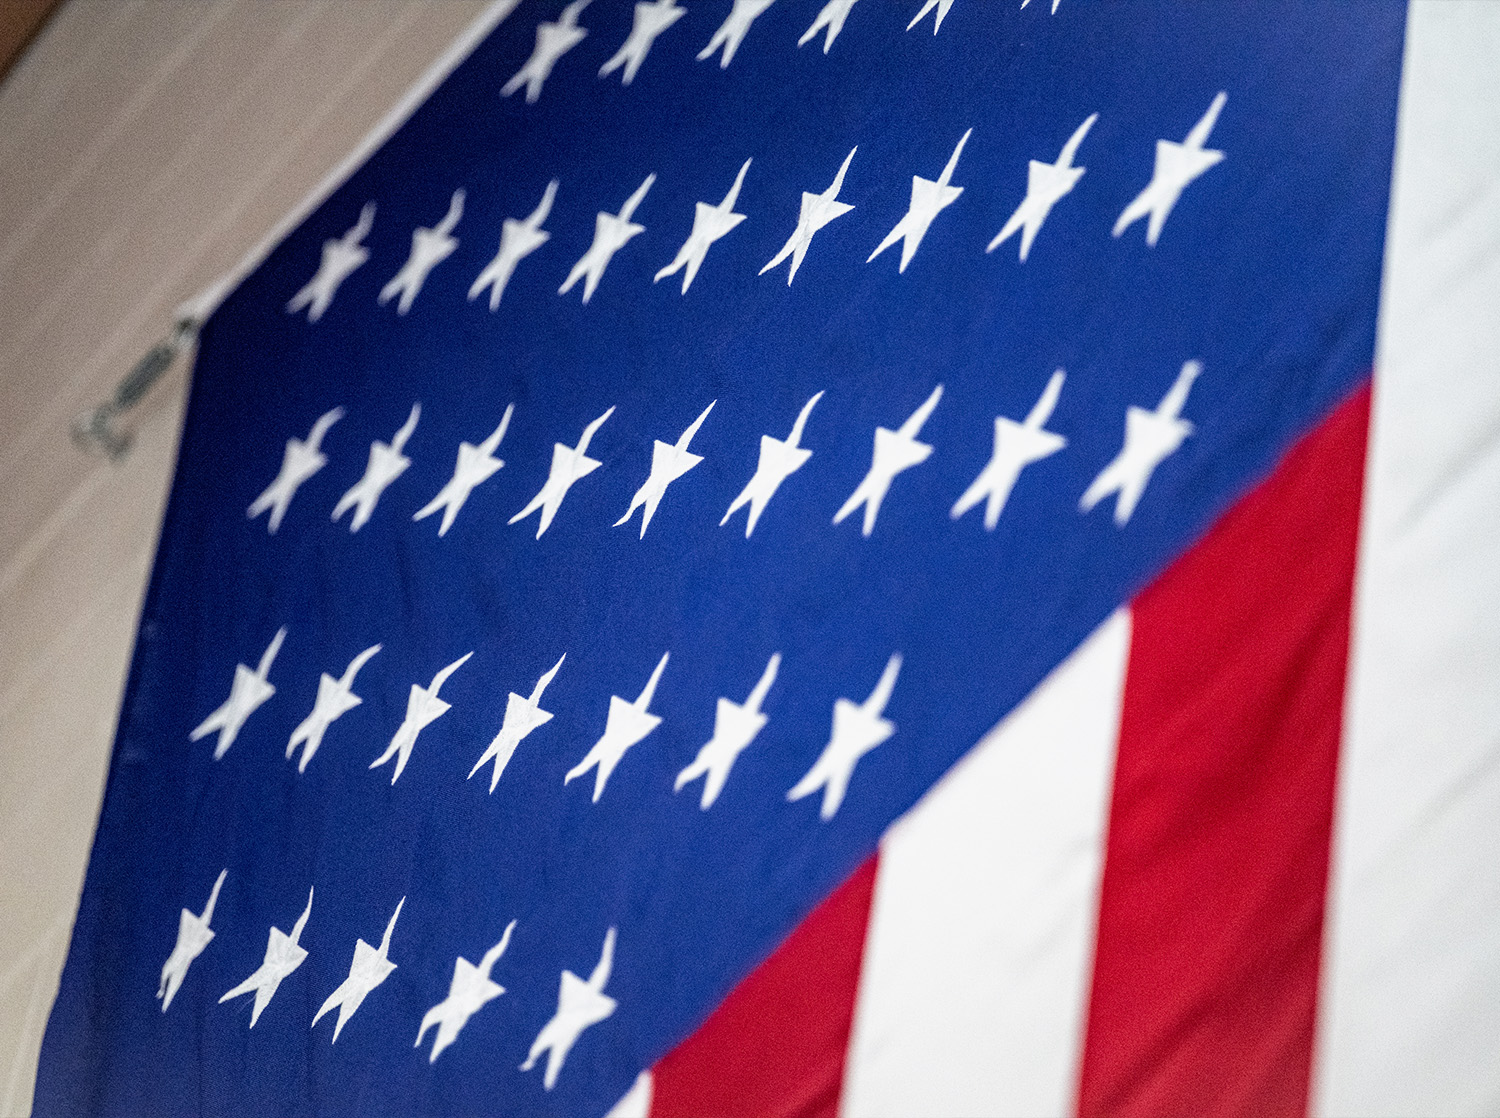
x: 775, y: 1047
x: 1211, y: 907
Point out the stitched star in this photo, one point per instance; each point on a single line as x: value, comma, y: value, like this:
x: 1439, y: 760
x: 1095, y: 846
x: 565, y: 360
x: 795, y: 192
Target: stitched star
x: 468, y: 993
x: 335, y: 698
x: 611, y: 233
x: 553, y: 40
x: 1017, y: 445
x: 651, y: 19
x: 518, y: 240
x: 248, y: 691
x: 732, y: 31
x: 668, y: 463
x: 928, y: 199
x: 817, y: 211
x: 709, y: 224
x: 283, y: 955
x: 1177, y: 165
x: 386, y: 464
x: 300, y: 461
x: 1046, y: 183
x: 1150, y: 437
x: 857, y: 729
x: 193, y: 935
x: 779, y: 459
x: 569, y: 464
x: 370, y: 967
x: 735, y: 727
x: 340, y: 258
x: 580, y: 1004
x: 627, y: 724
x: 830, y: 20
x: 895, y: 452
x: 475, y: 464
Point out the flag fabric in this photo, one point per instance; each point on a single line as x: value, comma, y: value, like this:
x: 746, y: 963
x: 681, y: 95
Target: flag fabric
x: 604, y: 528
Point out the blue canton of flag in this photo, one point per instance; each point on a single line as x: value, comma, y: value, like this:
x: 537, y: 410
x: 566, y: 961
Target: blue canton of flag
x: 646, y: 475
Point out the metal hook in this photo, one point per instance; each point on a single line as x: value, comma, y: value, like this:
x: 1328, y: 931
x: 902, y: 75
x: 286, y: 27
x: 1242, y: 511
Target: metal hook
x: 95, y: 431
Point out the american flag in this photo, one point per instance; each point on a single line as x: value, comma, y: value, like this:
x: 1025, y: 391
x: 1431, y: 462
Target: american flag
x: 766, y: 558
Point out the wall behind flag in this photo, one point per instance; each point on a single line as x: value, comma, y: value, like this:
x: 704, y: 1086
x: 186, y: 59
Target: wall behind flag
x: 144, y: 148
x: 20, y: 22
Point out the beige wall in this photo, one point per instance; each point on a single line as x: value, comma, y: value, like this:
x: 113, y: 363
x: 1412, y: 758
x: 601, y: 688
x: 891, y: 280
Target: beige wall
x: 144, y: 146
x: 20, y: 20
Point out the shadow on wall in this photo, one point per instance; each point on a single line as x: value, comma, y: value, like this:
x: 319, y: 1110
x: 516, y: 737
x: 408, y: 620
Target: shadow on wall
x: 20, y: 23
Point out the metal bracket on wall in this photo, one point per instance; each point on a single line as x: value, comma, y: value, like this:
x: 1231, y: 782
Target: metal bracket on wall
x: 95, y: 431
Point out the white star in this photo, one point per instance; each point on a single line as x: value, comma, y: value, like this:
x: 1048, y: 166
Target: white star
x: 895, y: 451
x: 340, y: 258
x: 857, y: 729
x: 429, y: 248
x: 283, y: 955
x: 817, y: 211
x: 779, y: 459
x: 1150, y: 436
x: 579, y: 1005
x: 732, y: 31
x: 386, y: 464
x: 1055, y: 3
x: 650, y: 21
x: 193, y: 935
x: 468, y: 993
x: 299, y: 462
x: 423, y: 707
x: 611, y: 233
x: 569, y: 464
x: 369, y: 968
x: 709, y: 224
x: 475, y: 465
x: 247, y: 692
x: 668, y: 463
x: 627, y: 724
x: 334, y: 699
x: 1177, y: 165
x: 521, y: 717
x: 1046, y: 183
x: 928, y: 199
x: 553, y: 40
x: 1017, y: 445
x: 735, y: 727
x: 518, y: 240
x: 831, y: 17
x: 942, y: 7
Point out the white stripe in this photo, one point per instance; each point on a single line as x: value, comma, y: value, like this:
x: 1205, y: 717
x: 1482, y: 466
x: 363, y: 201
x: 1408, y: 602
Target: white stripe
x: 1411, y: 996
x: 982, y: 928
x: 636, y: 1102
